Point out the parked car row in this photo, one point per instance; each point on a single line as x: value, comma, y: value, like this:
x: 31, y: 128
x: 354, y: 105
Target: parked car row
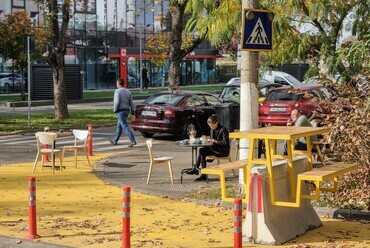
x: 178, y: 112
x: 277, y: 77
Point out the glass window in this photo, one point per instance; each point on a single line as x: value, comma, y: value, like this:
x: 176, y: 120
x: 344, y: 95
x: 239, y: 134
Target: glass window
x: 212, y: 100
x: 80, y: 22
x: 111, y: 15
x: 196, y: 100
x: 91, y: 22
x: 164, y: 98
x: 280, y: 95
x: 101, y: 15
x: 280, y: 80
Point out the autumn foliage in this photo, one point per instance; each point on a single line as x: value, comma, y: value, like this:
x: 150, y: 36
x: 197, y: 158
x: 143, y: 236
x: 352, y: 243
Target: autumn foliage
x: 349, y: 119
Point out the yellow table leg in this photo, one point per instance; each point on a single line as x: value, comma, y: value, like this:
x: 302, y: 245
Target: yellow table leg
x: 309, y: 152
x: 290, y: 146
x: 249, y: 167
x: 269, y: 150
x: 223, y: 185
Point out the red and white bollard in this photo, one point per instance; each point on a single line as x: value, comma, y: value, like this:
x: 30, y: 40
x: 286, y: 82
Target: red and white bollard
x: 238, y: 223
x: 126, y: 217
x: 90, y: 141
x: 32, y: 227
x: 46, y: 156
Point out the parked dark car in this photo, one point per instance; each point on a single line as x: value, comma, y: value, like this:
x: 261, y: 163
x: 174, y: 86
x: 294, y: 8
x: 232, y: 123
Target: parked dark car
x: 231, y: 92
x: 278, y: 104
x: 175, y: 113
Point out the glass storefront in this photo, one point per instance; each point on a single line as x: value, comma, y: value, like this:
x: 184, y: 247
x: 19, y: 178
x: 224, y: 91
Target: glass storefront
x: 119, y: 24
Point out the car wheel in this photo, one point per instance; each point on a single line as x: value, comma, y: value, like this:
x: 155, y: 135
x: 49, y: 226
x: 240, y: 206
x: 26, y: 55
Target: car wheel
x: 147, y: 135
x: 189, y: 126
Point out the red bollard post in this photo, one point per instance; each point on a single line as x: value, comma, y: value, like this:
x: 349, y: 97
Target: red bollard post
x: 90, y: 143
x: 126, y: 217
x: 32, y: 227
x: 46, y: 156
x: 238, y: 223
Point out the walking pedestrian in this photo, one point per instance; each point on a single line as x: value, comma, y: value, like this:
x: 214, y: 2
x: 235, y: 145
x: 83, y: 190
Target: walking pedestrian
x: 122, y: 104
x: 144, y: 74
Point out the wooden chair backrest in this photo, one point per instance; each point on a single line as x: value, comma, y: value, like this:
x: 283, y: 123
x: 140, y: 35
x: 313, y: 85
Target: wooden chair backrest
x: 80, y: 135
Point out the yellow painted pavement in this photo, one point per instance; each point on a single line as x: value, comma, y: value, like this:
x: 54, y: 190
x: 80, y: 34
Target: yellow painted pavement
x: 75, y: 208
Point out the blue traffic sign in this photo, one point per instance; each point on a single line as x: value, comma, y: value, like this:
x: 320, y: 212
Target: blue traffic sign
x: 257, y: 30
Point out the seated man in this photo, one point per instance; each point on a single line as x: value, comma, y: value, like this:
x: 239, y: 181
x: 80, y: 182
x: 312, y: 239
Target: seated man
x: 299, y: 120
x: 221, y: 145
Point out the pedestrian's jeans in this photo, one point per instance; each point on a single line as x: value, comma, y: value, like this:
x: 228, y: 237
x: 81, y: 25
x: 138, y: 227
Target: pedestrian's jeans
x: 122, y: 125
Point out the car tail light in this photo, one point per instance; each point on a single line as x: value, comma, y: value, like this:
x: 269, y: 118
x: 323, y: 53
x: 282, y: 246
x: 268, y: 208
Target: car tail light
x: 169, y: 112
x: 264, y: 110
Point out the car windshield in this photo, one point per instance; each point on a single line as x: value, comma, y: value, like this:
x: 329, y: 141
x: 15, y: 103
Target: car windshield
x: 280, y: 95
x: 292, y: 79
x: 230, y: 93
x: 163, y: 99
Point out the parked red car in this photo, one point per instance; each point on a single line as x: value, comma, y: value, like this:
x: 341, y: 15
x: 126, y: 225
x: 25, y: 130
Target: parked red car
x: 276, y: 108
x: 174, y: 113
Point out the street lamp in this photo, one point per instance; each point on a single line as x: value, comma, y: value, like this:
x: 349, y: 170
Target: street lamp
x: 141, y: 54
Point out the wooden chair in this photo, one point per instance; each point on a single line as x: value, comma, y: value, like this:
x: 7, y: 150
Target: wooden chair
x: 80, y: 144
x: 158, y: 160
x: 44, y: 138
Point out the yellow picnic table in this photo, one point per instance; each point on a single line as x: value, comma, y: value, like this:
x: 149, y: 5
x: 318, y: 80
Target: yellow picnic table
x: 270, y: 135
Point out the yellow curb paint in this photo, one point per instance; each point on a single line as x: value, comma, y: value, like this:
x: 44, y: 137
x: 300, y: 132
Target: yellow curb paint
x: 77, y: 209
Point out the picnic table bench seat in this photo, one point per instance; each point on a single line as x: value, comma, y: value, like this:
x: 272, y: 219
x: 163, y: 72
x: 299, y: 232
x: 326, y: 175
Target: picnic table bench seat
x: 220, y: 171
x: 318, y: 175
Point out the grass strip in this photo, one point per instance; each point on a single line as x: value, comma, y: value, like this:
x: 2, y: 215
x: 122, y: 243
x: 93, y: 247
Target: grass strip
x: 78, y: 119
x: 135, y: 92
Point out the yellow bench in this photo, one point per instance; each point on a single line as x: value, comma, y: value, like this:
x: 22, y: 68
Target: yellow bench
x: 220, y: 171
x: 318, y: 175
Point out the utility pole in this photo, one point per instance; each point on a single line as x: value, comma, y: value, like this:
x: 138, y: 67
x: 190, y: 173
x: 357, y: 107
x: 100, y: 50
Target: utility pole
x: 29, y: 79
x: 248, y: 90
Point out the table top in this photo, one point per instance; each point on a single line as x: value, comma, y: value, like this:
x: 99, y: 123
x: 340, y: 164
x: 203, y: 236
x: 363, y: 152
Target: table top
x: 180, y: 143
x: 280, y: 132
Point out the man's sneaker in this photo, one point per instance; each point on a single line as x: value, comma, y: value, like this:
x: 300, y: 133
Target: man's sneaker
x: 112, y: 142
x: 132, y: 144
x: 201, y: 178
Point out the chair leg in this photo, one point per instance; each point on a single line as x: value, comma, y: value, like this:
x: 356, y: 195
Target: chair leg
x: 36, y: 160
x: 42, y: 162
x: 87, y: 157
x: 61, y: 162
x: 63, y: 153
x: 150, y: 172
x: 53, y: 162
x: 170, y: 168
x: 75, y: 151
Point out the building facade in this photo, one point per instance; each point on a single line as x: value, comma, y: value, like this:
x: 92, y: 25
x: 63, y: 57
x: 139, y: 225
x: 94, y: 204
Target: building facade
x: 105, y: 39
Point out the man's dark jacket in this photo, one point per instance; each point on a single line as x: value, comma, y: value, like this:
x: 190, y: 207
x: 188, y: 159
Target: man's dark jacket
x: 222, y: 147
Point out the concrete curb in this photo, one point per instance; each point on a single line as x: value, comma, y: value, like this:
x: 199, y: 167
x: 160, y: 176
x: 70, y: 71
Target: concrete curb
x: 343, y: 214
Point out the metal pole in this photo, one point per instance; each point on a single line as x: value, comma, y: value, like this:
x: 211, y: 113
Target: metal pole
x: 29, y: 79
x: 141, y: 62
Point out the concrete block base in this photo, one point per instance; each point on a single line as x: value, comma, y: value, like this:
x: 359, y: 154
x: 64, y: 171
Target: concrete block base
x: 269, y: 224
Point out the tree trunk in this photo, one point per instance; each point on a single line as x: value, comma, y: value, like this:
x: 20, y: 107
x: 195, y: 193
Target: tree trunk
x: 177, y: 52
x: 177, y: 15
x: 60, y: 94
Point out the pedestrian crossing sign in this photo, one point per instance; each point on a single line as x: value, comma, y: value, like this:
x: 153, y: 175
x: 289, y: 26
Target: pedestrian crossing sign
x: 257, y: 30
